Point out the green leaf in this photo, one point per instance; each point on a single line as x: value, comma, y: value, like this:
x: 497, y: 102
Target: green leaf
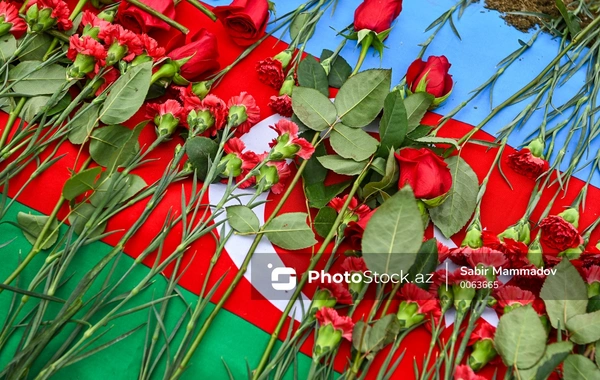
x: 598, y: 355
x: 319, y: 195
x: 570, y: 19
x: 437, y: 140
x: 312, y: 75
x: 127, y: 94
x: 425, y: 264
x: 313, y: 109
x: 361, y: 98
x: 8, y: 46
x: 352, y: 143
x: 80, y: 216
x: 85, y: 122
x: 32, y: 226
x: 367, y: 339
x: 118, y: 191
x: 201, y: 151
x: 393, y: 124
x: 242, y: 219
x: 340, y: 69
x: 520, y: 338
x: 34, y: 106
x: 593, y: 304
x: 36, y: 50
x: 324, y: 220
x: 564, y: 294
x: 314, y: 172
x: 45, y: 81
x: 299, y: 21
x: 578, y: 367
x: 416, y: 106
x: 584, y: 328
x: 80, y: 183
x: 342, y: 165
x: 110, y: 146
x: 452, y: 215
x: 390, y: 178
x: 394, y: 234
x: 554, y: 355
x: 290, y: 231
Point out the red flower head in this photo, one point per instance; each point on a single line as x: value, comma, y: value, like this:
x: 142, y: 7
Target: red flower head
x: 244, y: 161
x: 123, y: 44
x: 92, y: 25
x: 559, y: 234
x: 218, y: 109
x: 360, y: 211
x: 270, y: 72
x: 139, y: 21
x: 288, y: 144
x: 464, y: 372
x: 431, y: 76
x: 515, y: 251
x: 328, y: 316
x: 151, y: 47
x: 337, y: 291
x: 510, y: 295
x: 376, y: 15
x: 59, y: 15
x: 252, y: 111
x: 425, y: 172
x: 282, y: 105
x: 525, y: 163
x: 201, y: 49
x: 443, y: 251
x: 483, y: 331
x: 355, y: 229
x: 460, y: 255
x: 10, y: 22
x: 244, y: 20
x: 274, y: 174
x: 426, y: 301
x: 166, y: 115
x: 486, y: 257
x: 592, y: 274
x: 86, y: 45
x: 109, y: 78
x: 354, y: 264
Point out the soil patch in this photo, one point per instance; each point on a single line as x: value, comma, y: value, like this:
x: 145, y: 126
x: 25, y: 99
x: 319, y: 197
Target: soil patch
x: 523, y: 23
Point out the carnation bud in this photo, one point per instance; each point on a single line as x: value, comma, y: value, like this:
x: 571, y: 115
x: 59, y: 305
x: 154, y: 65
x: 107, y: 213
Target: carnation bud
x: 232, y: 165
x: 473, y: 238
x: 284, y: 57
x: 166, y: 124
x: 39, y: 21
x: 408, y: 314
x: 200, y: 120
x: 571, y: 215
x: 201, y: 89
x: 237, y: 115
x: 446, y: 296
x: 534, y: 253
x: 327, y: 339
x: 524, y: 232
x: 322, y: 298
x: 82, y: 65
x: 267, y: 177
x: 483, y: 352
x: 536, y: 147
x: 288, y: 86
x: 463, y: 297
x: 115, y: 53
x: 510, y: 233
x: 572, y: 253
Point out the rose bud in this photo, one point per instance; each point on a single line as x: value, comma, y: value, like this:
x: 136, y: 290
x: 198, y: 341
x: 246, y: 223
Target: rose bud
x: 431, y: 77
x: 273, y: 175
x: 140, y: 21
x: 482, y: 342
x: 464, y: 372
x: 559, y: 234
x: 592, y: 278
x: 372, y: 24
x: 197, y: 52
x: 356, y: 267
x: 271, y: 71
x: 426, y: 173
x: 529, y: 161
x: 288, y: 144
x: 85, y: 52
x: 329, y: 295
x: 244, y: 20
x: 44, y: 14
x: 199, y: 121
x: 166, y: 116
x: 416, y: 304
x: 10, y: 22
x: 332, y: 328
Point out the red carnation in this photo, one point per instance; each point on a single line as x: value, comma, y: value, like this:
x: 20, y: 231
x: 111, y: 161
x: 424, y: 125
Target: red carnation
x: 525, y: 163
x: 328, y: 316
x: 355, y: 229
x: 337, y: 291
x: 140, y: 21
x: 10, y: 22
x: 92, y: 24
x: 129, y: 44
x: 288, y: 144
x: 201, y: 49
x: 426, y: 301
x: 559, y: 234
x: 354, y: 264
x: 515, y: 251
x: 270, y: 72
x: 376, y: 15
x: 486, y: 257
x: 464, y: 372
x: 425, y: 172
x: 60, y: 12
x: 275, y: 174
x: 510, y: 295
x: 244, y: 20
x: 86, y: 45
x: 483, y: 331
x: 443, y: 251
x: 282, y: 105
x: 360, y: 210
x: 431, y: 76
x: 592, y: 274
x: 218, y: 109
x: 151, y: 47
x: 168, y: 107
x: 248, y: 159
x: 252, y: 111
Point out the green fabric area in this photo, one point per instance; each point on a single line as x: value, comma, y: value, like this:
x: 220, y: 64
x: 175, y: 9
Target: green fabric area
x: 230, y: 339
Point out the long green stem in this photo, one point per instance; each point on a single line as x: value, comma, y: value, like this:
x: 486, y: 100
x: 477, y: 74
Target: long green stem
x: 203, y: 9
x: 78, y: 8
x: 12, y: 117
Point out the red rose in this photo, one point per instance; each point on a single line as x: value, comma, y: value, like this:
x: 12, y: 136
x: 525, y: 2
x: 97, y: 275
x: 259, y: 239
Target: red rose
x: 559, y: 234
x: 426, y: 173
x: 355, y: 230
x: 201, y: 46
x: 139, y: 21
x: 244, y: 20
x: 525, y: 163
x: 435, y: 73
x: 376, y: 15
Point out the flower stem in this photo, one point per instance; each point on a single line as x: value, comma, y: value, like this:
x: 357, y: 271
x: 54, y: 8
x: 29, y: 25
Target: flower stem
x: 12, y: 117
x: 159, y: 15
x: 203, y: 9
x: 78, y: 8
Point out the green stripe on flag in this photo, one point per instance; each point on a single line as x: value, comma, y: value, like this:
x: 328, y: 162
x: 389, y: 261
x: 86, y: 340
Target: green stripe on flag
x: 230, y: 339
